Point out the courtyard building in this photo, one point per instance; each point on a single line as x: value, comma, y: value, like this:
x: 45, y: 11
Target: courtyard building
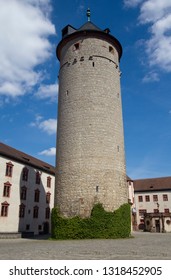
x: 26, y: 193
x: 153, y: 204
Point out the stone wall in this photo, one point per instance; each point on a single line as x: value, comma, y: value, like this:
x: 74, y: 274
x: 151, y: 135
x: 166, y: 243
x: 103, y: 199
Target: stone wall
x: 90, y: 141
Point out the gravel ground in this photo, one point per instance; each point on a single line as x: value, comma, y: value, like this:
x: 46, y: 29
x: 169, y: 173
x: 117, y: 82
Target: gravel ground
x: 143, y: 245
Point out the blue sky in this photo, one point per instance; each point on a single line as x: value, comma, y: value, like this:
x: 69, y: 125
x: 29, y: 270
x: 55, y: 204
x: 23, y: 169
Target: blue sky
x: 30, y: 31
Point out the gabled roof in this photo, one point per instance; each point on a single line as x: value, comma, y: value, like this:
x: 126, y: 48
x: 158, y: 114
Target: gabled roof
x: 18, y: 156
x: 152, y: 184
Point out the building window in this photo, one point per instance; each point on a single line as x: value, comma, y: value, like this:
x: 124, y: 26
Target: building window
x: 166, y: 210
x: 47, y: 213
x: 39, y: 227
x: 49, y: 182
x: 27, y: 227
x: 9, y: 169
x: 38, y: 177
x: 142, y: 212
x: 25, y: 174
x: 156, y: 210
x: 147, y: 198
x: 35, y: 212
x: 155, y: 197
x: 23, y: 193
x: 76, y: 46
x: 165, y: 197
x: 36, y: 195
x: 48, y: 194
x: 140, y: 198
x: 4, y: 209
x: 111, y: 50
x: 7, y: 189
x: 22, y: 210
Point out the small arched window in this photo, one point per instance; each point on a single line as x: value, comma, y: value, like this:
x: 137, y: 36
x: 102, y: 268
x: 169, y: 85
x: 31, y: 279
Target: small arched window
x: 111, y: 50
x: 76, y: 46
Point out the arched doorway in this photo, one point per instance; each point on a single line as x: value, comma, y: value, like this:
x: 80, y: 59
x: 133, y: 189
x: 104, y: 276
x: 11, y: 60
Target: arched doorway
x: 46, y: 228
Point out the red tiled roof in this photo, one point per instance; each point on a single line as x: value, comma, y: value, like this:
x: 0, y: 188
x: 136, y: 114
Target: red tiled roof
x: 152, y: 184
x: 13, y: 154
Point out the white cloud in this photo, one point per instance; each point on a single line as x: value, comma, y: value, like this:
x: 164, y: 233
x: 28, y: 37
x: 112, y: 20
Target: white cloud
x: 49, y: 126
x: 25, y: 27
x: 151, y: 77
x: 157, y: 13
x: 152, y: 10
x: 48, y: 92
x: 132, y: 3
x: 49, y: 152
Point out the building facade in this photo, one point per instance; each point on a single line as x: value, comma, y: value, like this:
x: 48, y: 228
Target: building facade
x: 27, y: 197
x: 90, y: 141
x: 26, y: 193
x: 152, y: 202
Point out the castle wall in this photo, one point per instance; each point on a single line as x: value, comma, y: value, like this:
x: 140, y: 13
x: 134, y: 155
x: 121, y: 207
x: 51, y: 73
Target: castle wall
x: 90, y: 142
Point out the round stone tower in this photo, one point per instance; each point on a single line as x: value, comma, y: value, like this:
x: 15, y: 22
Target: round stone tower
x: 90, y: 141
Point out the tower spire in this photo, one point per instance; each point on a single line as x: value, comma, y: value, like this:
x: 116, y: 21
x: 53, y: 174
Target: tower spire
x: 88, y: 14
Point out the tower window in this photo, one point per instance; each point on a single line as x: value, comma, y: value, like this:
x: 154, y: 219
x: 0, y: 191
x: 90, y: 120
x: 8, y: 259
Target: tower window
x: 97, y: 188
x: 93, y: 64
x: 76, y: 46
x: 111, y: 50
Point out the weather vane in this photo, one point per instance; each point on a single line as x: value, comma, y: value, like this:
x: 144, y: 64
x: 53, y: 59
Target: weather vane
x: 88, y: 14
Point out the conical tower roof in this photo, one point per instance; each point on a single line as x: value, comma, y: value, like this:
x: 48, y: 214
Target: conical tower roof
x: 88, y: 28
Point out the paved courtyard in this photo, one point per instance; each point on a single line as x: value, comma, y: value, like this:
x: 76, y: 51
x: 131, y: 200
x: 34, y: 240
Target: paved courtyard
x: 142, y: 246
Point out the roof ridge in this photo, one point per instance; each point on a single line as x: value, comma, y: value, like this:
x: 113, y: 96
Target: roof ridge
x: 25, y: 158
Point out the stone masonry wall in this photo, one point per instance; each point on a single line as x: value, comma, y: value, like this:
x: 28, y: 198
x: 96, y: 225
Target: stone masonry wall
x: 90, y: 141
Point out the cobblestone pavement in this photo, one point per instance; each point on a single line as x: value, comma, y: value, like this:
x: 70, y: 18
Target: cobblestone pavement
x: 141, y: 246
